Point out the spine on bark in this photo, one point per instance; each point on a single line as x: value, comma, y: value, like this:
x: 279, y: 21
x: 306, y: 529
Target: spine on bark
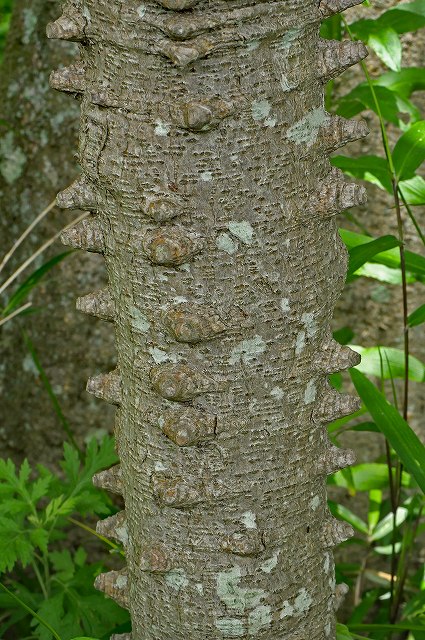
x: 204, y: 156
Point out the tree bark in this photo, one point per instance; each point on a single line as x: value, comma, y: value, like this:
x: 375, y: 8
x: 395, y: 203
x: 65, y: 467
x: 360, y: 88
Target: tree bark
x: 204, y: 149
x: 37, y: 134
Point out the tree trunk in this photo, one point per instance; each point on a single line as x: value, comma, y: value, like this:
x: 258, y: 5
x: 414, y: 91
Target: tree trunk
x: 204, y: 149
x: 38, y: 131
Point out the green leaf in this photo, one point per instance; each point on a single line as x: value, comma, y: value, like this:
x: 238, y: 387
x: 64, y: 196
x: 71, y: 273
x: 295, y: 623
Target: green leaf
x: 417, y: 317
x: 386, y: 525
x: 341, y: 512
x: 392, y: 363
x: 26, y: 287
x: 342, y: 633
x: 387, y: 46
x: 413, y: 190
x: 403, y: 82
x: 405, y: 17
x: 365, y: 252
x: 415, y: 263
x: 374, y: 509
x: 365, y: 477
x: 373, y: 169
x: 399, y: 434
x: 409, y: 152
x: 14, y: 545
x: 391, y: 104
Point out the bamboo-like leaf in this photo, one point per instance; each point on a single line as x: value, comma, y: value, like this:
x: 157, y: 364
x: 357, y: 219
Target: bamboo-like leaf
x: 399, y: 434
x: 365, y: 252
x: 25, y: 288
x: 392, y: 361
x: 409, y: 152
x: 417, y: 317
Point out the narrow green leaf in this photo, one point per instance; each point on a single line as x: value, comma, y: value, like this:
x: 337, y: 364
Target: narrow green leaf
x: 391, y: 104
x: 374, y: 509
x: 25, y: 288
x: 399, y: 434
x: 409, y: 152
x: 415, y: 263
x: 392, y: 363
x: 417, y: 317
x: 365, y: 252
x: 343, y: 513
x: 401, y: 626
x: 365, y: 477
x: 386, y: 525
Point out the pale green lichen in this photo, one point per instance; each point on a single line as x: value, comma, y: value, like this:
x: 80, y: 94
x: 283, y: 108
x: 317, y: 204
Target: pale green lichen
x: 310, y: 392
x: 242, y: 230
x: 277, y: 392
x: 161, y: 356
x: 260, y: 109
x: 141, y: 10
x: 225, y: 243
x: 233, y: 595
x: 249, y: 520
x: 260, y: 618
x: 30, y: 22
x: 300, y: 343
x: 176, y: 579
x: 230, y: 627
x: 268, y: 565
x: 315, y: 502
x: 162, y: 128
x: 310, y: 324
x: 121, y: 582
x: 12, y: 158
x: 306, y: 130
x: 301, y: 604
x: 138, y: 320
x: 288, y: 39
x: 206, y: 176
x: 247, y: 350
x: 284, y: 305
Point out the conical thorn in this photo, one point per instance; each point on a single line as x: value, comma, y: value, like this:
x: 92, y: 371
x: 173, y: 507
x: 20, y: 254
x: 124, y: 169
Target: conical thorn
x: 70, y: 79
x: 335, y: 532
x: 67, y: 27
x: 114, y: 527
x: 336, y: 56
x: 341, y: 591
x: 115, y: 585
x: 99, y: 304
x: 110, y: 480
x: 79, y: 195
x: 331, y: 7
x: 335, y: 405
x: 106, y: 386
x: 334, y: 357
x: 86, y: 235
x: 336, y: 459
x: 340, y: 131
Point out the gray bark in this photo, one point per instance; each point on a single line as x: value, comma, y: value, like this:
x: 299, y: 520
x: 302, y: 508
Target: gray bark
x: 36, y: 160
x: 204, y: 149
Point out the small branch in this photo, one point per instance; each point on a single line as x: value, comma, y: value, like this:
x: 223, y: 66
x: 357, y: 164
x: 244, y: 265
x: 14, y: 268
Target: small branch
x: 15, y: 313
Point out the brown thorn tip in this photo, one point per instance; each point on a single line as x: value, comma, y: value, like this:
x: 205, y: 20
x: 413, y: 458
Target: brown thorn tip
x: 109, y: 479
x: 331, y: 7
x: 99, y: 304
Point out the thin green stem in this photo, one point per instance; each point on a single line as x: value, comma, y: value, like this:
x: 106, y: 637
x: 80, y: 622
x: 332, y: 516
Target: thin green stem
x: 40, y: 580
x: 411, y: 215
x: 32, y: 612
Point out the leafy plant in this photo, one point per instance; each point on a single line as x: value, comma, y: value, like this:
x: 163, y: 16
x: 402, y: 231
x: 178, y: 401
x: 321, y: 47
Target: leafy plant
x: 47, y: 587
x: 390, y: 599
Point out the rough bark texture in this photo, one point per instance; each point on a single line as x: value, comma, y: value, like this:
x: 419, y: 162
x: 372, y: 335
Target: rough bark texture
x: 204, y: 152
x: 36, y: 160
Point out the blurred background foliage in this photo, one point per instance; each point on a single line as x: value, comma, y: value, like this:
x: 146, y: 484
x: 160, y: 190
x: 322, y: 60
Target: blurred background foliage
x: 5, y: 12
